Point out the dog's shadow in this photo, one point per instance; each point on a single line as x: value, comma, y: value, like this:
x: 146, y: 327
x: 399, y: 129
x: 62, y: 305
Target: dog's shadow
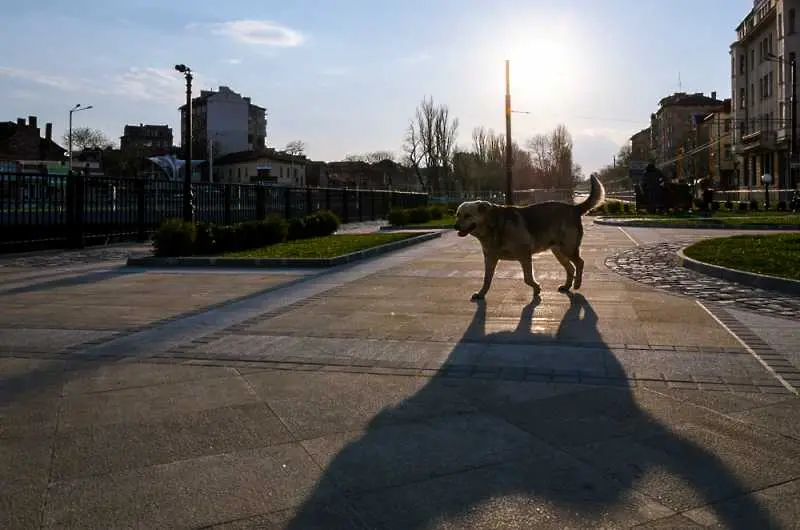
x: 503, y: 454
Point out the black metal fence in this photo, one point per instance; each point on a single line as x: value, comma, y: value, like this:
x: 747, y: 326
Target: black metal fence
x: 57, y: 211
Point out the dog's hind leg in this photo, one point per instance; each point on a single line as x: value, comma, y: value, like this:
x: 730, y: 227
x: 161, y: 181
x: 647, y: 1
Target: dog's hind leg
x: 577, y: 260
x: 569, y: 268
x: 489, y: 266
x: 527, y: 274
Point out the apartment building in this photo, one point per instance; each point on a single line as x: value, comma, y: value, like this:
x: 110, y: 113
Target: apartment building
x: 767, y: 41
x: 671, y: 126
x: 224, y: 122
x: 150, y: 140
x: 640, y: 146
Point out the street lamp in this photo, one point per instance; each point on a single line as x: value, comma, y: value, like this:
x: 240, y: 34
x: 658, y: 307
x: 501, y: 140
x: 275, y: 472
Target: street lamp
x: 187, y: 145
x: 792, y: 62
x: 766, y: 178
x: 73, y: 110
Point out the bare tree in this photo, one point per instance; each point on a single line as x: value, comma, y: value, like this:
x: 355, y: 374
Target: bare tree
x: 551, y: 157
x: 372, y: 157
x: 296, y: 148
x: 87, y: 138
x: 430, y: 144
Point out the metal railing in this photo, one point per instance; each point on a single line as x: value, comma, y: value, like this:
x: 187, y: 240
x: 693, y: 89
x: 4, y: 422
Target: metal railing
x: 758, y: 194
x: 39, y: 211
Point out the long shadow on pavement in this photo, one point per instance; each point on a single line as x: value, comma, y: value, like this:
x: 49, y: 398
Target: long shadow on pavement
x: 525, y: 455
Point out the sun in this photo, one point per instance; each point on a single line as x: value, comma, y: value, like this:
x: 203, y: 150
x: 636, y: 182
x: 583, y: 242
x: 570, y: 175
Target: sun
x: 543, y: 68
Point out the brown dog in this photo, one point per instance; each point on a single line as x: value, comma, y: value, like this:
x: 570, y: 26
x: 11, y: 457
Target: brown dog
x: 518, y: 232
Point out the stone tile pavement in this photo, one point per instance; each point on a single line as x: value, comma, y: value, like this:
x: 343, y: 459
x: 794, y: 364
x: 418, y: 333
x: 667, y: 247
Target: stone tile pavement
x: 378, y: 396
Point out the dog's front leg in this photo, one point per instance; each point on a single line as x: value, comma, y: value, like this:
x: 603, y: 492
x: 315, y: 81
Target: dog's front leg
x: 489, y: 266
x: 527, y: 273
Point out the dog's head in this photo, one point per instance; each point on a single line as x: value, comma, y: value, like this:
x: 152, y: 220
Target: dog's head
x: 471, y: 216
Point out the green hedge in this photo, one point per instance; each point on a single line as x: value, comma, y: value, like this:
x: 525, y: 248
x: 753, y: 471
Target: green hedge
x: 176, y: 237
x: 420, y: 214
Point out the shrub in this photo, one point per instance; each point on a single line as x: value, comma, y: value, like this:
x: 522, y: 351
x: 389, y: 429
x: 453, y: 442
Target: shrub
x: 626, y: 208
x: 698, y: 203
x: 329, y: 223
x: 297, y: 229
x: 729, y: 205
x: 204, y: 242
x: 742, y: 206
x: 753, y: 205
x: 419, y: 215
x: 782, y: 206
x: 175, y: 237
x: 398, y: 217
x: 437, y: 212
x: 272, y: 230
x: 715, y: 206
x: 614, y: 207
x: 227, y: 238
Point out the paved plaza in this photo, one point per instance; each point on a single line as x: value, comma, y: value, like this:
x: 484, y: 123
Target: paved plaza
x: 377, y: 395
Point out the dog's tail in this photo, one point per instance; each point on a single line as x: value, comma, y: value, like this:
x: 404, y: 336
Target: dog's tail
x: 597, y: 195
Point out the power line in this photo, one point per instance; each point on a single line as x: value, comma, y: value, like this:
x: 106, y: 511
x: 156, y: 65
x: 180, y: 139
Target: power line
x: 598, y: 118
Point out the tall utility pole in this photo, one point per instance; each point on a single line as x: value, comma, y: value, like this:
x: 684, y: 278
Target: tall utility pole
x: 793, y: 143
x: 509, y: 150
x: 73, y: 110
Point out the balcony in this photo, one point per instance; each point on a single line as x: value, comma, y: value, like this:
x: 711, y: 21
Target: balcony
x: 764, y: 140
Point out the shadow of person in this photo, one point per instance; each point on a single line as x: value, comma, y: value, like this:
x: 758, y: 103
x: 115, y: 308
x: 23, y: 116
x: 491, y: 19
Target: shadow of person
x: 507, y: 453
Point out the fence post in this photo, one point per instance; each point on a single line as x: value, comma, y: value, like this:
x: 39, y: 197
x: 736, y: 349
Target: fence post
x: 309, y: 201
x: 345, y: 208
x: 141, y: 205
x: 287, y: 203
x: 75, y: 203
x: 360, y: 204
x: 226, y: 206
x: 261, y: 202
x: 328, y: 199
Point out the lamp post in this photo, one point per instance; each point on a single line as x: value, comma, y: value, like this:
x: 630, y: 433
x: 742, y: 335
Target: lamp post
x: 187, y: 145
x: 792, y: 62
x: 509, y: 149
x: 73, y: 110
x: 766, y: 178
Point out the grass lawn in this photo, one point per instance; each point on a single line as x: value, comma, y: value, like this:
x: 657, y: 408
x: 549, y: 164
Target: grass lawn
x: 775, y: 255
x: 724, y: 218
x: 322, y: 247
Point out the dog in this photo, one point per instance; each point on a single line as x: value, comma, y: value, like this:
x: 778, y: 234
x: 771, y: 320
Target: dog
x: 516, y: 233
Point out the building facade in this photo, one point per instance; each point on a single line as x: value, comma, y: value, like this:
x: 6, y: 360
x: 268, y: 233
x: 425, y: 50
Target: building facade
x: 266, y: 166
x: 671, y: 130
x: 767, y: 41
x: 224, y: 122
x: 21, y: 142
x: 149, y: 140
x: 640, y: 146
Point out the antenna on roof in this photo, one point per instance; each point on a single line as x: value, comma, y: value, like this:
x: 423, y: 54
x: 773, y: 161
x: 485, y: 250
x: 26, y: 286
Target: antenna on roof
x: 680, y: 85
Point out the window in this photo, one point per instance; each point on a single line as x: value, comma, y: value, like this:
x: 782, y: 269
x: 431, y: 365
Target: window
x: 752, y: 93
x: 742, y: 63
x: 727, y: 125
x: 727, y: 152
x: 742, y: 98
x: 791, y: 22
x: 781, y: 66
x: 752, y: 59
x: 770, y: 85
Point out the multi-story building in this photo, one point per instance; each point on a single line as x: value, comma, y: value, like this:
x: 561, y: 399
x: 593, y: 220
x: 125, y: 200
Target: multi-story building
x: 671, y: 126
x: 640, y: 146
x: 224, y: 122
x: 767, y: 41
x: 149, y: 140
x: 21, y: 143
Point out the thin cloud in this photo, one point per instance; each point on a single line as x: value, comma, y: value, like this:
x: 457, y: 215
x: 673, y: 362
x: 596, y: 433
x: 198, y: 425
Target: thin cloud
x: 156, y: 85
x: 233, y: 61
x: 39, y: 78
x: 256, y: 32
x: 416, y: 58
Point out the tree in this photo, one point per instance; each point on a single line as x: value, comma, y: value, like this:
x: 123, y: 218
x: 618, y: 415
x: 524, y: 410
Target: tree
x: 615, y: 176
x: 551, y: 158
x: 296, y: 148
x: 87, y: 138
x: 430, y: 144
x: 372, y: 157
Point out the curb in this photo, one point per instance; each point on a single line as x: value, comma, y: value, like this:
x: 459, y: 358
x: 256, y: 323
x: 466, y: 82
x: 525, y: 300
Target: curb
x: 697, y: 226
x: 199, y: 261
x: 761, y: 281
x: 390, y: 228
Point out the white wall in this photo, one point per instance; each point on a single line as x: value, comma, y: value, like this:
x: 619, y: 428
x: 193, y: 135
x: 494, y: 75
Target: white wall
x: 226, y: 122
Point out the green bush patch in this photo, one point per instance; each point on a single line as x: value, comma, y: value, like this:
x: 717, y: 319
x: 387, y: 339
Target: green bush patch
x: 322, y: 247
x: 773, y: 255
x: 759, y: 218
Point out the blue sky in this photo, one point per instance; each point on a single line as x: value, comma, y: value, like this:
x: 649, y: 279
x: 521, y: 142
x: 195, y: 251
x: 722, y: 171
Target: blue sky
x: 345, y: 76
